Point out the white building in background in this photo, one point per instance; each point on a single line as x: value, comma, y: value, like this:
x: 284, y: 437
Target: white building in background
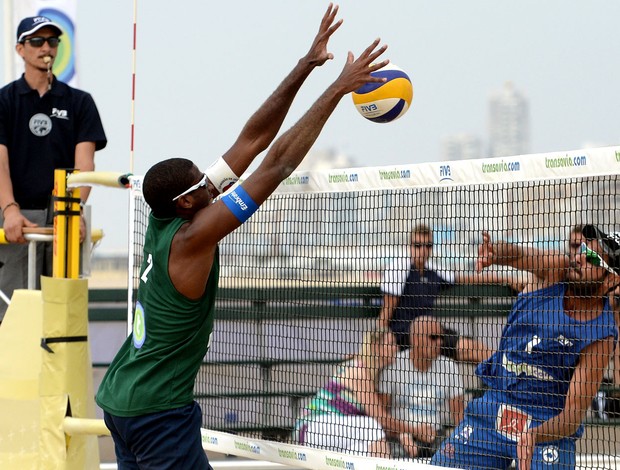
x: 509, y: 122
x: 462, y: 146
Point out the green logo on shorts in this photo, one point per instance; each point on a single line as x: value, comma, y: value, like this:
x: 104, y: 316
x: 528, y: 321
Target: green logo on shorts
x: 139, y: 327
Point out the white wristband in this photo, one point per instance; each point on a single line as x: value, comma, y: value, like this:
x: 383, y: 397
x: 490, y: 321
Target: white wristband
x: 221, y: 175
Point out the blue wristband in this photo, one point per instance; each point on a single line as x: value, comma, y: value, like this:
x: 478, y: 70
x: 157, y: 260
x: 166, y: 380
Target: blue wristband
x: 240, y: 204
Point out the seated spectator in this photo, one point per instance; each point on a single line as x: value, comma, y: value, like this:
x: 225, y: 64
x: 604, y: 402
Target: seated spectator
x: 347, y: 414
x: 423, y: 387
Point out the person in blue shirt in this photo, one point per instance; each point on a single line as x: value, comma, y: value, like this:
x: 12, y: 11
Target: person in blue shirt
x: 410, y: 287
x: 44, y: 125
x: 554, y: 349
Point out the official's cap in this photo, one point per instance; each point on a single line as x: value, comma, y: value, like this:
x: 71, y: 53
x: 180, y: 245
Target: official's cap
x: 32, y: 24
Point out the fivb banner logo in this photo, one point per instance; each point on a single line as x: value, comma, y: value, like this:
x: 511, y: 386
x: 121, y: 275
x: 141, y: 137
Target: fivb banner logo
x: 445, y: 173
x: 61, y: 12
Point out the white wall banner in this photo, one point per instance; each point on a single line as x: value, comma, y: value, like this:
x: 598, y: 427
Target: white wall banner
x: 61, y: 12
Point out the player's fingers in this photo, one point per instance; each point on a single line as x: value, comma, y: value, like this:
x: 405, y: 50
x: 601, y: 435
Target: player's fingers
x: 378, y: 66
x: 334, y: 27
x: 328, y: 17
x: 366, y: 53
x: 373, y: 56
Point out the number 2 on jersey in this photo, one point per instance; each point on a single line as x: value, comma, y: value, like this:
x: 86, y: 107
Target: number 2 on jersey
x: 148, y: 268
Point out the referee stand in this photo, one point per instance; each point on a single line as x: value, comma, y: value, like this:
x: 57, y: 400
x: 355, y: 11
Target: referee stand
x: 46, y: 390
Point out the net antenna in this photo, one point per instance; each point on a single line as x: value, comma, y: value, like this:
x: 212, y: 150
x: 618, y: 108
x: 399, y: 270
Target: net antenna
x: 131, y: 264
x: 133, y: 85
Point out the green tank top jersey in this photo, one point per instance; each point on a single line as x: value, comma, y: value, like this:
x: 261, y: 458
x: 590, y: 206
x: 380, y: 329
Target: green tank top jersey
x: 156, y: 367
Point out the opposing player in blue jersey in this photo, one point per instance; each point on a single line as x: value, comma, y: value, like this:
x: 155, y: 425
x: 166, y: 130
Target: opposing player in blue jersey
x: 557, y: 342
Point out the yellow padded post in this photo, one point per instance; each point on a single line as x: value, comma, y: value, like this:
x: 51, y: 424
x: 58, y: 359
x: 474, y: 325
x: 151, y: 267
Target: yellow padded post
x: 66, y: 375
x: 20, y: 366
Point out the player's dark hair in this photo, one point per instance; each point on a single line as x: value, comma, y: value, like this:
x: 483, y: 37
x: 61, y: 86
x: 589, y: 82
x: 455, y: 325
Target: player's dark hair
x: 163, y: 182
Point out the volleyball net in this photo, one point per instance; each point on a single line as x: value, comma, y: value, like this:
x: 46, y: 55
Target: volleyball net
x: 302, y: 281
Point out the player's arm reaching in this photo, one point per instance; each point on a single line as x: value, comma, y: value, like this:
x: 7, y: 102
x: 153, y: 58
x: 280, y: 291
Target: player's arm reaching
x: 194, y: 244
x: 548, y: 267
x: 291, y: 147
x: 264, y: 124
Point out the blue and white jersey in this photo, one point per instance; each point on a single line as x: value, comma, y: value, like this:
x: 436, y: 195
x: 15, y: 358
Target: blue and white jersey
x: 539, y: 350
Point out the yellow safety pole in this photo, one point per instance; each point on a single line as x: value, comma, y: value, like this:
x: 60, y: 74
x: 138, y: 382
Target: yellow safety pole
x: 59, y: 263
x: 66, y: 389
x: 66, y: 262
x: 73, y: 234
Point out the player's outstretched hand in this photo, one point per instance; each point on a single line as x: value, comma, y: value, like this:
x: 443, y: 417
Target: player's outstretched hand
x: 318, y: 55
x: 357, y: 72
x: 485, y: 253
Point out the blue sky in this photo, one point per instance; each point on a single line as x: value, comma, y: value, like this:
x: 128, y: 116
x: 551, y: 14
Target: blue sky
x: 204, y: 67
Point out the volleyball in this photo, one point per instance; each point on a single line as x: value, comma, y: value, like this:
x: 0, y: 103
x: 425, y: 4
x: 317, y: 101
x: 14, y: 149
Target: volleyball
x: 385, y: 102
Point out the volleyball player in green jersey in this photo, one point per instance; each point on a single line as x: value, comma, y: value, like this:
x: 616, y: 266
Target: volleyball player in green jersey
x: 147, y: 393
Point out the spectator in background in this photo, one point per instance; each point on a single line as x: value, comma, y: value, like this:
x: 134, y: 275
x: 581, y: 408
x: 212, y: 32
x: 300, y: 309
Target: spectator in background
x: 44, y: 124
x: 410, y: 288
x: 348, y: 415
x: 421, y: 386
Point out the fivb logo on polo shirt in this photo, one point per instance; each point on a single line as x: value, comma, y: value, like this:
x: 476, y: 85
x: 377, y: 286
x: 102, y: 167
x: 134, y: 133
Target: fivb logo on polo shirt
x: 41, y: 124
x: 60, y: 113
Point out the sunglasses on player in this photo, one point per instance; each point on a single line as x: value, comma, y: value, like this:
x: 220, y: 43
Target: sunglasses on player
x: 200, y: 184
x: 38, y: 41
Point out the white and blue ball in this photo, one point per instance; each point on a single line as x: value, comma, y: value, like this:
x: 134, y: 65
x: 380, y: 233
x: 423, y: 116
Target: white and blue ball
x: 385, y: 102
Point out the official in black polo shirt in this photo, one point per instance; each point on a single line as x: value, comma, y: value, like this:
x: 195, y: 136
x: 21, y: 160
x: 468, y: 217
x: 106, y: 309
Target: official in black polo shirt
x: 44, y: 124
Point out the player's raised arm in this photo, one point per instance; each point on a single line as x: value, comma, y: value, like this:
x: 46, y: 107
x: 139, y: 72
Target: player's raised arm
x: 210, y: 222
x: 289, y: 149
x: 547, y: 266
x: 264, y: 124
x: 219, y: 219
